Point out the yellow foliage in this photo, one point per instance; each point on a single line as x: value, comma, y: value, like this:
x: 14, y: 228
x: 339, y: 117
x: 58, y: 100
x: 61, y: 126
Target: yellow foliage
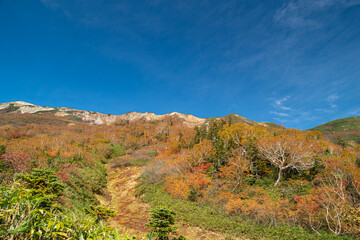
x: 240, y: 133
x: 99, y: 140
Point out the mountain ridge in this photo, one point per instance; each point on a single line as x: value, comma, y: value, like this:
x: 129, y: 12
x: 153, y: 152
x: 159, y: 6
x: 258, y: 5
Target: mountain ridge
x: 91, y: 116
x: 102, y: 118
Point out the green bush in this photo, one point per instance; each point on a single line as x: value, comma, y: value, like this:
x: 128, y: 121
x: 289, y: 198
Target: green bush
x: 24, y: 216
x: 100, y: 212
x: 84, y: 184
x: 2, y: 149
x: 44, y: 184
x: 116, y: 150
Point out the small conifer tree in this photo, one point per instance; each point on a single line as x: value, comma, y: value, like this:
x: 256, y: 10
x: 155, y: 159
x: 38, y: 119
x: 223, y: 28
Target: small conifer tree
x: 161, y: 223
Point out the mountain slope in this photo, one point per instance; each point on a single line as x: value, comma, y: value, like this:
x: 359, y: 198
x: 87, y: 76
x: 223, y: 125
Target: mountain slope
x: 348, y: 129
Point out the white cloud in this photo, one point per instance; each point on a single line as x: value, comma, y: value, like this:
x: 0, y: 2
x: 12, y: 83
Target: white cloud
x: 279, y: 114
x: 285, y: 108
x: 279, y: 103
x: 292, y: 116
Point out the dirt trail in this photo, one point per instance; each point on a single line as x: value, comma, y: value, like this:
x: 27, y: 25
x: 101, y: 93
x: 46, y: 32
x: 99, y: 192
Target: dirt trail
x: 132, y: 213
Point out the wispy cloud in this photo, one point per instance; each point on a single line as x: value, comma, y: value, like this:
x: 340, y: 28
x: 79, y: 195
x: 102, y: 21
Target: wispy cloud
x: 295, y: 113
x: 166, y: 40
x: 279, y: 103
x: 331, y: 99
x: 50, y: 3
x: 323, y: 110
x: 354, y: 112
x: 279, y: 114
x: 278, y: 109
x: 299, y: 13
x: 297, y: 117
x: 233, y: 107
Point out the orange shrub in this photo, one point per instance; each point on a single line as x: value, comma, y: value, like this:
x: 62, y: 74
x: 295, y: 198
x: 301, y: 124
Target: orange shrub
x: 180, y: 186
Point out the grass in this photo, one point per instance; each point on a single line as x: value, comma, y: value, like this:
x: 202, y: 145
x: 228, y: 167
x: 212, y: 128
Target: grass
x: 347, y: 128
x: 45, y: 112
x: 139, y: 161
x: 118, y: 159
x: 129, y: 161
x: 75, y: 118
x: 210, y: 218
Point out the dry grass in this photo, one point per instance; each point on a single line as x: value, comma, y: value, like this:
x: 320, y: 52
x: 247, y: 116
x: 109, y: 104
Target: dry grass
x: 132, y: 214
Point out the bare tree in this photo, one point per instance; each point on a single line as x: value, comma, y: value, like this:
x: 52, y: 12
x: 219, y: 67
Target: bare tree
x: 287, y: 151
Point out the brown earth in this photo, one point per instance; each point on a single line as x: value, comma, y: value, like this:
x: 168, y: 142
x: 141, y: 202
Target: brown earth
x: 132, y: 213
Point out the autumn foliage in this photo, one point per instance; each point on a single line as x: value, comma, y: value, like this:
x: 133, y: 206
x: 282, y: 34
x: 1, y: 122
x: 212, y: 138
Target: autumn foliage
x: 273, y: 176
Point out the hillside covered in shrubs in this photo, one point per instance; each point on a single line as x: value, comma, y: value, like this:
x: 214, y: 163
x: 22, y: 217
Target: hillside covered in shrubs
x: 253, y: 181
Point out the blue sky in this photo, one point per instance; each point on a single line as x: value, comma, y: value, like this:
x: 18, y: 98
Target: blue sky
x: 295, y: 63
